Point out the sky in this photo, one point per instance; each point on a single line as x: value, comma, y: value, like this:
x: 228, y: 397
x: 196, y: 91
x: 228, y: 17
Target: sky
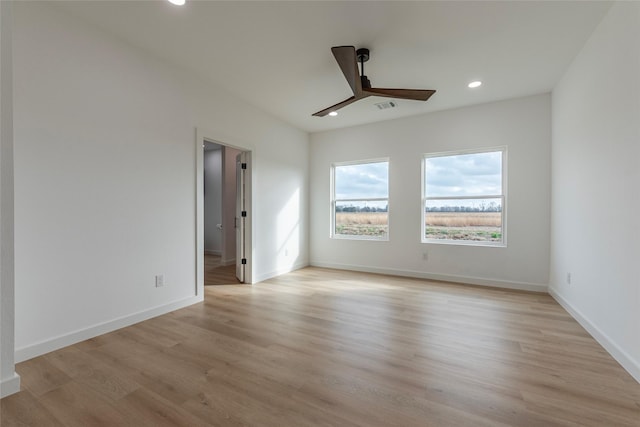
x: 478, y: 174
x: 362, y: 181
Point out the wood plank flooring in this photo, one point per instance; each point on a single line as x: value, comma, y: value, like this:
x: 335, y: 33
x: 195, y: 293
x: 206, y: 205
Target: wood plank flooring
x: 320, y: 347
x: 222, y: 275
x: 217, y: 274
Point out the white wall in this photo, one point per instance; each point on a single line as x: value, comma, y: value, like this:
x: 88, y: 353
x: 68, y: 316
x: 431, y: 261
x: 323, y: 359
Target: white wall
x: 212, y: 201
x: 596, y: 176
x: 105, y: 179
x: 523, y: 125
x: 9, y: 380
x: 283, y: 190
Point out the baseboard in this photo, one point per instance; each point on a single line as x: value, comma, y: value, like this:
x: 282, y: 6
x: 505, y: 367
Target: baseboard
x: 267, y: 276
x: 212, y: 252
x: 10, y: 386
x: 227, y: 262
x: 468, y: 280
x: 43, y: 347
x: 622, y: 357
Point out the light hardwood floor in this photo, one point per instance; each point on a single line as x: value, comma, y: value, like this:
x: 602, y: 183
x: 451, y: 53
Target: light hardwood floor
x: 217, y: 274
x: 321, y: 347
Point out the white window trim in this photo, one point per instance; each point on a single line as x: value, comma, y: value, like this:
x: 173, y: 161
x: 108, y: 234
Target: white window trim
x: 333, y: 201
x: 503, y: 197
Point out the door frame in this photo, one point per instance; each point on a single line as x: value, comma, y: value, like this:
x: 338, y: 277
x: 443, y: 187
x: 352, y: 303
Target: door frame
x: 215, y: 137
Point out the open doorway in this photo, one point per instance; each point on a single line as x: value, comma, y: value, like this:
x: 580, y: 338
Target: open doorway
x: 220, y: 193
x: 223, y: 235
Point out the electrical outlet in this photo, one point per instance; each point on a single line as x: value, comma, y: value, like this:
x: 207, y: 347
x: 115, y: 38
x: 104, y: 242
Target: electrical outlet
x: 286, y: 252
x: 159, y: 281
x: 425, y: 256
x: 568, y: 278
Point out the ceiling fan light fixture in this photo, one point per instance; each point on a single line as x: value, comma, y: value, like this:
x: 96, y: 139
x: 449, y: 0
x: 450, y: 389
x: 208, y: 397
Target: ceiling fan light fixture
x: 333, y: 113
x: 475, y: 84
x: 177, y: 2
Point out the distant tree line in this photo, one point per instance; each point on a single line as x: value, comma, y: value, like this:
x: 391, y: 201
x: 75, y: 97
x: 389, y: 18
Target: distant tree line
x: 491, y: 207
x: 361, y: 209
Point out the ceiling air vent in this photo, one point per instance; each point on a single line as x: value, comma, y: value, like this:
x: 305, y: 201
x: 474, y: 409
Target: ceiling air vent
x: 385, y: 105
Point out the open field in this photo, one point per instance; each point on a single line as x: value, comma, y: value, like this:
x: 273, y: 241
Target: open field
x: 372, y: 224
x: 474, y: 226
x: 463, y: 219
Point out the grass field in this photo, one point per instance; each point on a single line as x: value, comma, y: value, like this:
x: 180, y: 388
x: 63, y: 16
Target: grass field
x: 474, y: 226
x: 372, y: 224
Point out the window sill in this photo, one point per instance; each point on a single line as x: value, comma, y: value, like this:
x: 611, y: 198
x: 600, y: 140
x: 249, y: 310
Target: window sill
x: 465, y: 243
x: 353, y: 237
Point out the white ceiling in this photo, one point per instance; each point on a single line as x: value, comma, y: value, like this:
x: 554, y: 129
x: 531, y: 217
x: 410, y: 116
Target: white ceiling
x: 276, y: 55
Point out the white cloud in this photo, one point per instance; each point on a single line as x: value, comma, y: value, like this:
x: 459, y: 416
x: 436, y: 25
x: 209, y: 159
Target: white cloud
x: 464, y: 175
x: 362, y: 181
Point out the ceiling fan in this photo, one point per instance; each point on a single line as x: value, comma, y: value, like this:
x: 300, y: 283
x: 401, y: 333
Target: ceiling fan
x: 348, y: 58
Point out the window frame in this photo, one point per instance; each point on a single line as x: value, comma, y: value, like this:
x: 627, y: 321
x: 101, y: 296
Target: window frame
x: 334, y: 201
x: 502, y: 197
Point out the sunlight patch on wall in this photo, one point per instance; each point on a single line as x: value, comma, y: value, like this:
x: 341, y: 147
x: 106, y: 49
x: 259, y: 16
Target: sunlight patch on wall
x: 288, y: 232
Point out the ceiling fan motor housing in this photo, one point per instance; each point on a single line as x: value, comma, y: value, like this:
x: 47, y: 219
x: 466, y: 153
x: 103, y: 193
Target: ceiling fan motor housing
x: 362, y: 54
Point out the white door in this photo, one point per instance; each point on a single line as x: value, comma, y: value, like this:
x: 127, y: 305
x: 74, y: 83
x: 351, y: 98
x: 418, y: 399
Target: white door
x: 241, y: 216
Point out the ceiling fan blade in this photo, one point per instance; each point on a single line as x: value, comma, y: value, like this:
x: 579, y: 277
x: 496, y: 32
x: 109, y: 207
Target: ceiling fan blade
x: 348, y: 62
x: 338, y: 106
x: 415, y: 94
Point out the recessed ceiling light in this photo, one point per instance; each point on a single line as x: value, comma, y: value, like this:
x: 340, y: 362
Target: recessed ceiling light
x: 333, y: 113
x: 177, y: 2
x: 477, y: 83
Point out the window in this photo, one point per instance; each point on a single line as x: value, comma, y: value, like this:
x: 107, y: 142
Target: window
x: 360, y: 200
x: 463, y: 197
